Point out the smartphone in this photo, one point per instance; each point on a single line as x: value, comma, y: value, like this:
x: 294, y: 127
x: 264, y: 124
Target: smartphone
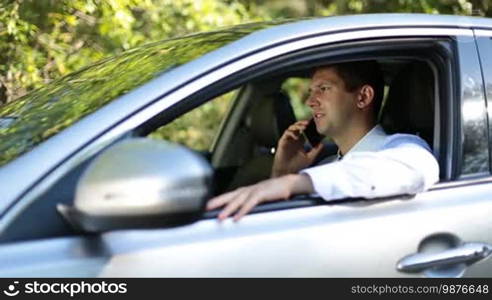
x: 312, y: 135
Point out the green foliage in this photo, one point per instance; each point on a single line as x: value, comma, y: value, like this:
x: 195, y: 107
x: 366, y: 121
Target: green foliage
x: 43, y: 39
x: 338, y: 7
x: 44, y: 112
x: 298, y: 91
x: 198, y: 128
x: 303, y: 8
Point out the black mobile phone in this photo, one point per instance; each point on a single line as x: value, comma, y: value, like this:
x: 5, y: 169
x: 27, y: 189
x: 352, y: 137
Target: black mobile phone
x: 312, y: 135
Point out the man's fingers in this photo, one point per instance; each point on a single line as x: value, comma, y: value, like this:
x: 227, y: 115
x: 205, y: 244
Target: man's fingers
x: 246, y: 208
x: 243, y: 200
x: 217, y: 201
x: 221, y: 200
x: 315, y: 151
x: 233, y: 205
x: 289, y: 134
x: 297, y: 127
x: 295, y: 130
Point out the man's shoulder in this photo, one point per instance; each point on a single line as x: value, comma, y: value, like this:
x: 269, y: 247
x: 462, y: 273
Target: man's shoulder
x: 404, y: 139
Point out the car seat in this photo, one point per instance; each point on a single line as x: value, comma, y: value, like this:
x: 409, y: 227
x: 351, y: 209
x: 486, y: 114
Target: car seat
x: 267, y: 120
x: 409, y: 107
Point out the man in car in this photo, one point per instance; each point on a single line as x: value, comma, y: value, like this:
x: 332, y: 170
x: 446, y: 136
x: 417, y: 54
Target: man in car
x: 345, y: 100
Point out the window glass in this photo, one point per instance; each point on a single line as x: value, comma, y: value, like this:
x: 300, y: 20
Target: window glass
x: 298, y: 91
x: 30, y: 120
x: 485, y: 50
x: 473, y: 112
x: 197, y: 128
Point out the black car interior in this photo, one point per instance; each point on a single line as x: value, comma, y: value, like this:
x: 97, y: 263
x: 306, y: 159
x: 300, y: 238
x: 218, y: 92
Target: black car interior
x: 409, y: 106
x: 267, y: 120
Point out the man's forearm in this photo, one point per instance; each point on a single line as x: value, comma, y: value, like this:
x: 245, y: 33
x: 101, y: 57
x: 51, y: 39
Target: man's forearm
x: 243, y: 200
x: 299, y: 184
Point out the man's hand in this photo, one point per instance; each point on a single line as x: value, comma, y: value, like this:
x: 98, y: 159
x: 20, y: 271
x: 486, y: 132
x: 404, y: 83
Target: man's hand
x: 291, y: 156
x: 243, y: 200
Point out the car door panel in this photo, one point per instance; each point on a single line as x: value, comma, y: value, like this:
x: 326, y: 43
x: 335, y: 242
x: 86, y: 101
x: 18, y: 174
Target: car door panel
x: 56, y: 257
x: 358, y: 239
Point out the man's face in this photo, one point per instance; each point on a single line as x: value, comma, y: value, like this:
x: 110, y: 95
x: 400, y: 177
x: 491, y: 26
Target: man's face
x: 331, y: 104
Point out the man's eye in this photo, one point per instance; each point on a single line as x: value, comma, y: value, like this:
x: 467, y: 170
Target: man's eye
x: 324, y: 88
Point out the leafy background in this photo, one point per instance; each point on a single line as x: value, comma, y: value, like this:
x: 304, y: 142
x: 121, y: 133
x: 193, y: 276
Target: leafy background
x: 41, y: 40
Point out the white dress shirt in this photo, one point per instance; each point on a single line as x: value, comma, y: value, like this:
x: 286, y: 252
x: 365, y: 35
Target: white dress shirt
x: 378, y: 165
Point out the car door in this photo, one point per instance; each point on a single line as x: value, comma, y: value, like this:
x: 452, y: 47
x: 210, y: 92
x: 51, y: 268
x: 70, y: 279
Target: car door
x: 351, y: 238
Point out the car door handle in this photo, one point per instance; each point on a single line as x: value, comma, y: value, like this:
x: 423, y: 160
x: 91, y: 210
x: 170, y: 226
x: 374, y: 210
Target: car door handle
x: 464, y: 253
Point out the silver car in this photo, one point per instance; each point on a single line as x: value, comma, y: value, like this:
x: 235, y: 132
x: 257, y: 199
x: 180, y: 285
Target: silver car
x: 105, y: 172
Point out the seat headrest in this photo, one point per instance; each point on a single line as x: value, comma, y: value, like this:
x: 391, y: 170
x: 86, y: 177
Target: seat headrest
x: 270, y: 117
x: 409, y: 107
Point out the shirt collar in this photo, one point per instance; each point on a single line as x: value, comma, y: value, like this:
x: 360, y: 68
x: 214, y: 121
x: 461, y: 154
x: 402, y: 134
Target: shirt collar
x: 372, y: 141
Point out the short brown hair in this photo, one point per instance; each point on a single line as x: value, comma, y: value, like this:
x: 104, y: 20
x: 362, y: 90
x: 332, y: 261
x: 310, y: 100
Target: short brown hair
x: 358, y: 73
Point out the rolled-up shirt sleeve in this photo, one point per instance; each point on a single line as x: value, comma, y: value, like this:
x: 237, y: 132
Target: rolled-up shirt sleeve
x: 403, y: 166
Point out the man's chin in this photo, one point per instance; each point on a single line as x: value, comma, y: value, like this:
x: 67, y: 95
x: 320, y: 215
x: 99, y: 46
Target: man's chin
x: 321, y: 129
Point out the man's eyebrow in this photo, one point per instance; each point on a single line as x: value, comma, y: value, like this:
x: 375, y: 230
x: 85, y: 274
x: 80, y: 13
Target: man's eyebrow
x: 320, y: 84
x: 327, y: 81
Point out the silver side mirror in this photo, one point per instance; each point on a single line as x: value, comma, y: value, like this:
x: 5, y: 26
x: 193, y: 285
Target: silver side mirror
x: 140, y: 183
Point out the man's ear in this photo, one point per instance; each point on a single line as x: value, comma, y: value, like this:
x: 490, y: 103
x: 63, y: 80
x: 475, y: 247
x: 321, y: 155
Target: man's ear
x: 365, y: 97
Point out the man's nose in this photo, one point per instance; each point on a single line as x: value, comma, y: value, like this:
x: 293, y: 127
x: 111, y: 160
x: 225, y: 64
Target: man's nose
x: 311, y: 101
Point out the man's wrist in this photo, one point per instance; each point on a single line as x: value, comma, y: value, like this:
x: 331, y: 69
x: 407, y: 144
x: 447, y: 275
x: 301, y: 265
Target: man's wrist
x: 299, y: 184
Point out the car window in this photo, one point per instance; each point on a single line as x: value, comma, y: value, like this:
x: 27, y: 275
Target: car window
x: 298, y: 90
x: 485, y: 48
x: 28, y: 121
x: 197, y: 128
x: 473, y: 113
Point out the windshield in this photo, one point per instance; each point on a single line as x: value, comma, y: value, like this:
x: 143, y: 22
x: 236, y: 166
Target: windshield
x: 28, y: 121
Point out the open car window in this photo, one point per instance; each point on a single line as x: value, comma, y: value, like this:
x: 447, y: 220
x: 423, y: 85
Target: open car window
x: 197, y: 128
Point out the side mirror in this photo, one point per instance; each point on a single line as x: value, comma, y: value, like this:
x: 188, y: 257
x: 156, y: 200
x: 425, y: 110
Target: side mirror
x: 140, y: 183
